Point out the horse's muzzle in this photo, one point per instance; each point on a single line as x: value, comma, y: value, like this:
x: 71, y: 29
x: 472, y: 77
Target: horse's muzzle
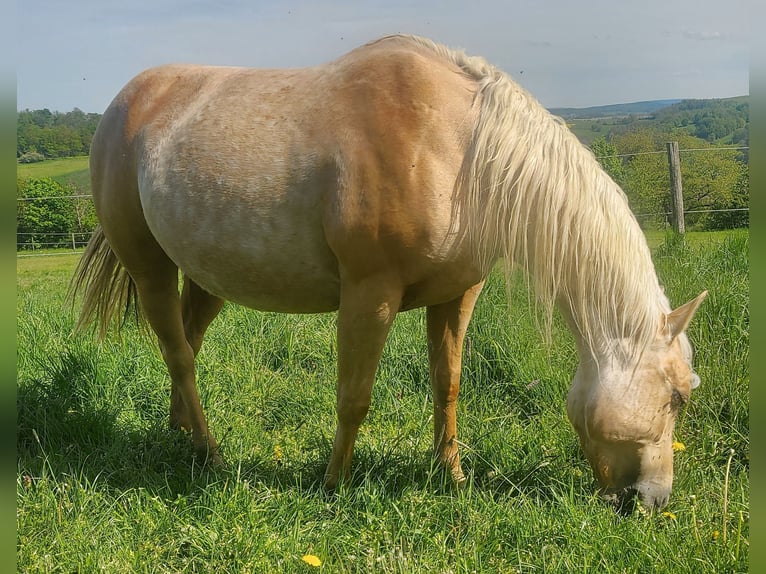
x: 652, y: 494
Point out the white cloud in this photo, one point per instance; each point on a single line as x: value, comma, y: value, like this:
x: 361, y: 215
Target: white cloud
x: 703, y: 35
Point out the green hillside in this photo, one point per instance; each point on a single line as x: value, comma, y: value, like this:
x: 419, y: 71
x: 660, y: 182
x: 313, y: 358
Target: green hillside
x: 66, y: 171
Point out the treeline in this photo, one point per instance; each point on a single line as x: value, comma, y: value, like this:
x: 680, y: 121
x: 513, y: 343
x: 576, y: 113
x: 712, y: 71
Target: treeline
x: 723, y: 121
x: 720, y: 121
x: 42, y: 134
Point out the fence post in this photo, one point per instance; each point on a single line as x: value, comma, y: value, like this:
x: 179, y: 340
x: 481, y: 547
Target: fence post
x: 74, y: 244
x: 676, y: 188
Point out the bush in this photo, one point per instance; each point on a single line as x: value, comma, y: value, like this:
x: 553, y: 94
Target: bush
x: 47, y: 214
x: 31, y: 157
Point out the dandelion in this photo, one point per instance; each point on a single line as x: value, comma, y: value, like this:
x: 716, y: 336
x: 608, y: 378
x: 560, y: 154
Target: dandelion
x: 277, y: 453
x: 312, y: 560
x: 669, y: 515
x: 716, y: 534
x: 678, y: 446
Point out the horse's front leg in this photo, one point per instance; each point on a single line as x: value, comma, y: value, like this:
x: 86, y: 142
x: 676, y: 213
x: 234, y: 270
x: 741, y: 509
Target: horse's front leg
x: 447, y: 324
x: 367, y: 310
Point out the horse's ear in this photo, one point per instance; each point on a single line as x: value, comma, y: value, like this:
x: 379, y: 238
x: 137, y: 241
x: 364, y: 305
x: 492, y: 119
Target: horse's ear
x: 677, y: 320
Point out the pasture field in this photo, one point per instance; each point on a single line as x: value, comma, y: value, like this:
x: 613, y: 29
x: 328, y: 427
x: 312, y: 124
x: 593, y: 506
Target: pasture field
x: 65, y: 170
x: 104, y: 485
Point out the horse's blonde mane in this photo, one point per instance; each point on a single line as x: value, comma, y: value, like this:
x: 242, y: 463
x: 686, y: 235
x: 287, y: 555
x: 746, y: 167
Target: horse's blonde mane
x: 531, y: 193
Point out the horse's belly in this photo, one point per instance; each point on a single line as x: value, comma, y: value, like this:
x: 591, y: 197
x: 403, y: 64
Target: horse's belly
x: 267, y: 281
x: 261, y: 275
x: 251, y: 249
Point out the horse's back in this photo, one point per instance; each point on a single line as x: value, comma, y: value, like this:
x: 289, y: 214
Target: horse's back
x: 264, y: 185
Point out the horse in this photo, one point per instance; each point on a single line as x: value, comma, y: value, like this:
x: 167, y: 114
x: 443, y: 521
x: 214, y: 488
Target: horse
x: 394, y: 177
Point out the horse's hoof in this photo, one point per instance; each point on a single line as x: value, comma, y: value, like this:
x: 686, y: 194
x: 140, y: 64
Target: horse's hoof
x: 330, y: 482
x: 178, y: 425
x: 210, y: 458
x: 215, y: 461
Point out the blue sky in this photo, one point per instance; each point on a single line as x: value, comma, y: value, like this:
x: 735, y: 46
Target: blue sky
x: 567, y: 53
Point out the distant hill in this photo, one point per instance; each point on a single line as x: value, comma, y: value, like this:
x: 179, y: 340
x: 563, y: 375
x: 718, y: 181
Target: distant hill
x: 725, y: 121
x: 613, y: 110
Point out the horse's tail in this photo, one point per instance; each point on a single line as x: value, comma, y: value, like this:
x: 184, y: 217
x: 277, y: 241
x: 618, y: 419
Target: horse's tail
x: 107, y: 288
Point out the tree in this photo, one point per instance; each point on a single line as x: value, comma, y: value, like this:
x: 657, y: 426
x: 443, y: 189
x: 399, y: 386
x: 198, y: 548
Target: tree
x: 726, y: 218
x: 47, y: 214
x: 606, y: 154
x: 645, y: 176
x: 714, y: 179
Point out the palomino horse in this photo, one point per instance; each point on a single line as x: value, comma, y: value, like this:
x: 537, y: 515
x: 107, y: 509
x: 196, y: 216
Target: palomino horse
x: 392, y: 178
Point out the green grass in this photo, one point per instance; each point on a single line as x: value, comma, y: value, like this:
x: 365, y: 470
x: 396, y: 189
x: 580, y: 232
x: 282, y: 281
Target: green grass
x: 588, y: 130
x: 66, y: 170
x: 696, y: 239
x: 102, y: 484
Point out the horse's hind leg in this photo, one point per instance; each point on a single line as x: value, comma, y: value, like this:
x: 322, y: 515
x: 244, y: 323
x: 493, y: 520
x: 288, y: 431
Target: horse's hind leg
x: 156, y: 279
x: 447, y: 324
x: 198, y: 309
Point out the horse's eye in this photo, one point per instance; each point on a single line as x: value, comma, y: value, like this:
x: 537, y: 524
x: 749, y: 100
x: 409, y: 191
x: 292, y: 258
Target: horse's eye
x: 677, y: 400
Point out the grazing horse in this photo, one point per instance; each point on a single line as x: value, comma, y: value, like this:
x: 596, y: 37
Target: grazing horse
x: 392, y: 178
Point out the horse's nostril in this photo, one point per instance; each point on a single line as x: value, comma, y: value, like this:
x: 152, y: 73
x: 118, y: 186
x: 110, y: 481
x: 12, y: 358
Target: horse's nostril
x: 623, y: 501
x: 656, y: 502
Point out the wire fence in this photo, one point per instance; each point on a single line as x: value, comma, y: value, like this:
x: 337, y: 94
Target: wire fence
x: 46, y: 244
x: 67, y: 243
x: 663, y: 219
x: 76, y: 242
x: 663, y: 152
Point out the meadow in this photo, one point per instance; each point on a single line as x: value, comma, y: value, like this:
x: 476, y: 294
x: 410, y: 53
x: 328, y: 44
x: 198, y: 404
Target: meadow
x: 104, y: 485
x: 66, y: 170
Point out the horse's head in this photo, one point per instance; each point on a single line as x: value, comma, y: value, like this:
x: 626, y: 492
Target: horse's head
x: 625, y: 414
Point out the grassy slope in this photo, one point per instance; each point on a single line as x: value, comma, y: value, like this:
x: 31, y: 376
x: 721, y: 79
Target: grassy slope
x: 102, y: 484
x: 65, y: 170
x: 588, y: 130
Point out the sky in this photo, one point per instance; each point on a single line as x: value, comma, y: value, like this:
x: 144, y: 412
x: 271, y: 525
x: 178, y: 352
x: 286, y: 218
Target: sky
x: 567, y: 53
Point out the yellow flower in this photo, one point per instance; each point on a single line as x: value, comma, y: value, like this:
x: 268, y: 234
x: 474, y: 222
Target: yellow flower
x: 277, y: 452
x: 669, y: 515
x: 312, y: 560
x: 678, y: 446
x: 716, y: 534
